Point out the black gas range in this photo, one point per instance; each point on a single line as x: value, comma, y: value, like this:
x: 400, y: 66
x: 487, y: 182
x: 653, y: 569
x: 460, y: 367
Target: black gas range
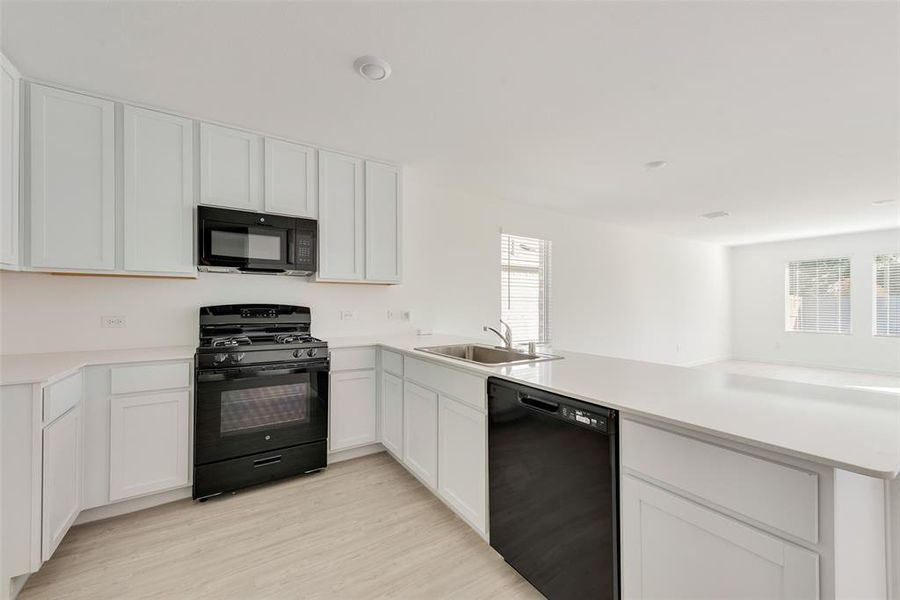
x: 261, y: 403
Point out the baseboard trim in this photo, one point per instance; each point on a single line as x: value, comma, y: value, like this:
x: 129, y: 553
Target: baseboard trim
x: 135, y: 504
x: 16, y: 584
x: 809, y: 365
x: 334, y: 457
x: 705, y: 361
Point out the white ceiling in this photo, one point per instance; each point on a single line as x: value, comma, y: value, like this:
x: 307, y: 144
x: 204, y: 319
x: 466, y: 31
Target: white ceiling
x: 786, y: 115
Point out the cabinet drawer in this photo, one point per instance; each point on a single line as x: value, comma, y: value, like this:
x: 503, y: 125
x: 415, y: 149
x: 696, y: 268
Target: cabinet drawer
x: 462, y: 386
x: 61, y: 396
x: 392, y: 362
x: 352, y: 358
x: 145, y: 378
x: 781, y: 496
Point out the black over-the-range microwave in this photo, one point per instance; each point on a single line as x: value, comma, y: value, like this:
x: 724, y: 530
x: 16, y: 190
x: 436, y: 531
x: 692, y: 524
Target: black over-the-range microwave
x: 249, y: 242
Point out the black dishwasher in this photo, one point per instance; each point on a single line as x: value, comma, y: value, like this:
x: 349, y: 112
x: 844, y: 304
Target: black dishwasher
x: 554, y: 501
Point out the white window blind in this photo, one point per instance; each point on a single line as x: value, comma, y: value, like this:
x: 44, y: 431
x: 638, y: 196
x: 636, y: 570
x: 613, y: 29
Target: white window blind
x: 818, y: 295
x: 887, y: 294
x: 525, y: 287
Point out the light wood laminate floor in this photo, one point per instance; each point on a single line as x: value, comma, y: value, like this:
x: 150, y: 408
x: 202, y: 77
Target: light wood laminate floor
x: 364, y: 528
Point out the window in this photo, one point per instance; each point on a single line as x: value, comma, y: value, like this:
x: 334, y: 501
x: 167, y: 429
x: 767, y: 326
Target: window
x: 525, y: 287
x: 887, y: 294
x: 818, y: 295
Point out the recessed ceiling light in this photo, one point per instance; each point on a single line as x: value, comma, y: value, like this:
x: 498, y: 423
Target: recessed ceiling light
x: 372, y: 68
x: 883, y: 202
x: 718, y: 214
x: 655, y: 164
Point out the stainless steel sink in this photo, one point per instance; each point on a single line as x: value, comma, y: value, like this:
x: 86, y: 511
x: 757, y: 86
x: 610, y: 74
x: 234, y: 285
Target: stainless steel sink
x: 487, y: 355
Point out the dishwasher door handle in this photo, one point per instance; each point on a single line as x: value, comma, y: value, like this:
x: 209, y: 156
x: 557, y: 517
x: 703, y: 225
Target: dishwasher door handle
x: 539, y: 404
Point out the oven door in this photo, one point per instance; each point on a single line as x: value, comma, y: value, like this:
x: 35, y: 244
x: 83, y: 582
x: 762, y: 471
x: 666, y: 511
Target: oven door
x: 246, y: 410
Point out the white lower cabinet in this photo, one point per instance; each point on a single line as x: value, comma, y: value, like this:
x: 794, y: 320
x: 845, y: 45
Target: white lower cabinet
x: 148, y: 443
x: 675, y: 548
x: 392, y: 414
x: 352, y: 408
x: 420, y: 418
x: 462, y: 460
x: 62, y: 466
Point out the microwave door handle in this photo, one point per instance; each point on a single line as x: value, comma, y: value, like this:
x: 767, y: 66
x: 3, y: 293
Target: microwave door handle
x: 290, y: 248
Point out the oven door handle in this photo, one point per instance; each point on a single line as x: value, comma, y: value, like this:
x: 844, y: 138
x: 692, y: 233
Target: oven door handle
x: 251, y: 373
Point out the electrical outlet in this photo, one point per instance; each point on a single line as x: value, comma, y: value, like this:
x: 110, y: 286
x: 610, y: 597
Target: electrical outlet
x: 348, y: 315
x: 113, y: 321
x: 405, y: 315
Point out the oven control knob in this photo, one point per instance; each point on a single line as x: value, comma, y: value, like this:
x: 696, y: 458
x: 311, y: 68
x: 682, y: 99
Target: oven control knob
x: 217, y: 358
x: 311, y: 352
x: 237, y: 357
x: 298, y: 353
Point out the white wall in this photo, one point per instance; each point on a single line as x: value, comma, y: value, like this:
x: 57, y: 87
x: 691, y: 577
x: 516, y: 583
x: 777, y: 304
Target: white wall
x: 758, y: 303
x: 616, y: 291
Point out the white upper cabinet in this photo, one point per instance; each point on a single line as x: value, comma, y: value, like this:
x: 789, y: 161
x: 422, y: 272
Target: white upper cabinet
x: 290, y: 179
x: 341, y: 217
x: 383, y: 222
x: 159, y: 192
x: 72, y: 196
x: 230, y: 168
x: 9, y: 164
x: 359, y: 220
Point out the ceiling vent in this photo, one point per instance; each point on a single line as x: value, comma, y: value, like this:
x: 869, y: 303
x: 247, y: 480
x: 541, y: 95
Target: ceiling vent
x: 718, y: 214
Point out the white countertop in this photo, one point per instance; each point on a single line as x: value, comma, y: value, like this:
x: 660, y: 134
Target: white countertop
x: 857, y: 430
x: 46, y: 368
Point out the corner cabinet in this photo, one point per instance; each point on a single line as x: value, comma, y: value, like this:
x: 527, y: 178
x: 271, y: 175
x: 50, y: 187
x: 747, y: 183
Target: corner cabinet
x: 73, y: 180
x: 383, y: 223
x: 159, y: 192
x: 360, y: 215
x: 62, y: 461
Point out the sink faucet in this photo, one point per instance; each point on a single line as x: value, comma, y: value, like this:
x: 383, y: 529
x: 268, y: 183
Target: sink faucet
x: 507, y: 339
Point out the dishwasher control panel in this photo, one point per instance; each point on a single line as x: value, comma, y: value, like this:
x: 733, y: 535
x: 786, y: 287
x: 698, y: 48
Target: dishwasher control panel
x: 586, y: 418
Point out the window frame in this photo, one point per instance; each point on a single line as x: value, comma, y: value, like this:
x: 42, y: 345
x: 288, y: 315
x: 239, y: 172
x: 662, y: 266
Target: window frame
x: 544, y: 271
x: 875, y: 332
x: 787, y: 295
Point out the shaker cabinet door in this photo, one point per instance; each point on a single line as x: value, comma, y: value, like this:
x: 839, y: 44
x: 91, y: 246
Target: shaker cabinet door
x: 159, y: 192
x: 383, y: 223
x: 462, y: 456
x: 230, y: 168
x: 341, y: 217
x: 352, y: 403
x: 9, y: 164
x: 290, y: 179
x: 73, y: 180
x: 61, y: 501
x: 420, y: 423
x: 392, y: 414
x: 148, y: 443
x: 675, y: 548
